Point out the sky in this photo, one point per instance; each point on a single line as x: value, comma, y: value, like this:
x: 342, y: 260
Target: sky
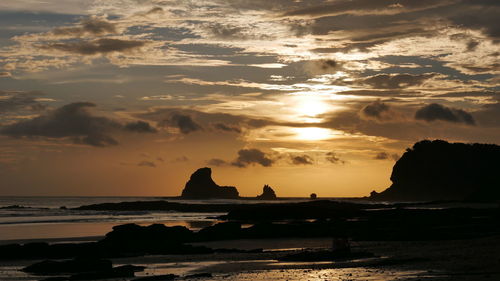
x: 129, y: 97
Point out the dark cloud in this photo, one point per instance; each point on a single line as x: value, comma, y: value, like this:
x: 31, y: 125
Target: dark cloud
x: 252, y: 156
x: 375, y: 110
x: 397, y: 81
x: 435, y: 112
x: 332, y: 157
x: 379, y: 111
x: 322, y: 66
x: 385, y: 156
x: 184, y: 123
x: 73, y: 121
x: 5, y: 74
x: 12, y: 101
x: 140, y: 127
x: 223, y: 31
x: 217, y: 162
x: 180, y: 159
x: 227, y: 128
x: 302, y: 160
x: 149, y: 164
x: 99, y: 46
x: 92, y: 26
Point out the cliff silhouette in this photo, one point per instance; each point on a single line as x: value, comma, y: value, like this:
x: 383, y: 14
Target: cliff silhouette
x: 438, y: 170
x: 202, y: 186
x: 267, y: 193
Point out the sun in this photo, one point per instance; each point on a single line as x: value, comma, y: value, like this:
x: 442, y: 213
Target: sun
x: 313, y: 134
x: 309, y: 109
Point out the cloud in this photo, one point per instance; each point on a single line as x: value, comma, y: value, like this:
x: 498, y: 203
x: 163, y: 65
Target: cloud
x: 379, y: 111
x: 385, y: 156
x: 227, y: 128
x: 180, y: 159
x: 435, y: 112
x: 73, y: 121
x: 149, y: 164
x: 140, y: 127
x: 397, y: 81
x: 361, y: 7
x: 252, y: 156
x: 89, y: 26
x: 322, y: 66
x: 12, y: 101
x: 217, y: 162
x: 302, y: 160
x: 332, y: 157
x: 99, y: 46
x: 184, y: 123
x: 5, y: 74
x: 223, y: 31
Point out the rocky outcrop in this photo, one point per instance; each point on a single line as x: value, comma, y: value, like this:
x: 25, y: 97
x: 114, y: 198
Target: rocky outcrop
x: 267, y: 193
x: 438, y: 170
x: 201, y: 186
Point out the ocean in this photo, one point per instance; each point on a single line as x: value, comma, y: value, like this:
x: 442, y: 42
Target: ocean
x: 43, y: 217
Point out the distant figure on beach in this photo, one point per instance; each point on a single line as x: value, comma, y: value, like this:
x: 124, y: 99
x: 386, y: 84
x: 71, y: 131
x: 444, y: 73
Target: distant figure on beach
x: 313, y: 196
x: 267, y: 193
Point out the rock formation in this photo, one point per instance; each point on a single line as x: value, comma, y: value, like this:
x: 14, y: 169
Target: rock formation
x: 438, y: 170
x: 201, y: 186
x: 267, y: 193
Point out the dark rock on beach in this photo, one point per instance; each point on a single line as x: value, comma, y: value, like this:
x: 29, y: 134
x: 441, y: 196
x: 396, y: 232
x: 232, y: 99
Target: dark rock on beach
x: 133, y: 240
x: 438, y: 170
x: 202, y: 186
x: 267, y: 193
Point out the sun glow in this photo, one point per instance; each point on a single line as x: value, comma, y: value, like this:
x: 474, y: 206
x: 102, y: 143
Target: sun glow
x: 313, y: 133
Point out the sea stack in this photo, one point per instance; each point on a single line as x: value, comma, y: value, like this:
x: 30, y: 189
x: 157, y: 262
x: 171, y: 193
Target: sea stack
x: 438, y: 170
x: 267, y: 193
x: 201, y: 186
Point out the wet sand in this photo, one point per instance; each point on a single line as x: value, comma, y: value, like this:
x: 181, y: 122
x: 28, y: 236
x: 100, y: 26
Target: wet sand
x: 471, y: 259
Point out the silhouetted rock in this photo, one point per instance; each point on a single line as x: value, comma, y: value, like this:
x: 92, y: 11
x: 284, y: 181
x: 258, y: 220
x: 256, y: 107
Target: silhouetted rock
x: 47, y: 267
x: 198, y: 275
x: 313, y: 196
x: 267, y: 193
x: 438, y: 170
x: 133, y: 240
x: 201, y: 186
x: 220, y: 231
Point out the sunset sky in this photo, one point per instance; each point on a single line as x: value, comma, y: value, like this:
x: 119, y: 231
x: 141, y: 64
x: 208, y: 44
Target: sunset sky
x: 129, y: 97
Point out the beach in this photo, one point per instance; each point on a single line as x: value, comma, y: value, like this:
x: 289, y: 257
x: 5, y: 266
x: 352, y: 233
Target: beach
x: 405, y: 241
x: 474, y: 259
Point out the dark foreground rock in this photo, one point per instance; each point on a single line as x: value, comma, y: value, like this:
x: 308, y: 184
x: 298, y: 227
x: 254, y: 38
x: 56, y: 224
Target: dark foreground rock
x: 267, y: 193
x: 202, y: 186
x: 438, y: 170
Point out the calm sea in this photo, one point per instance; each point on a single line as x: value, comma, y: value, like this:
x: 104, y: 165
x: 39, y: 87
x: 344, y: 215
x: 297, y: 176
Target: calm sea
x: 43, y: 217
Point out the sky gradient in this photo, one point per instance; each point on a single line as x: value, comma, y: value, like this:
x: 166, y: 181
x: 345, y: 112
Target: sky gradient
x: 129, y: 97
